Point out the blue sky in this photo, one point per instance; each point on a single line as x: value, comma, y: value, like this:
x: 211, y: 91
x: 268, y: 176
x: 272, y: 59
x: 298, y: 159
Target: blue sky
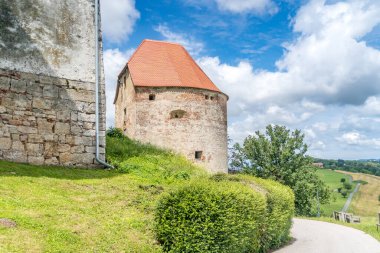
x: 311, y: 65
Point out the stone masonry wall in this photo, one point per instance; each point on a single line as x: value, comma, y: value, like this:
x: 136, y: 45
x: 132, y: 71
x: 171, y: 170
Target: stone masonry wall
x: 47, y: 120
x: 47, y: 82
x: 203, y: 127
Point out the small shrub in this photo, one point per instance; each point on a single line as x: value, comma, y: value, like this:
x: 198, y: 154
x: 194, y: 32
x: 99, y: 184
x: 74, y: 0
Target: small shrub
x: 379, y: 197
x: 344, y: 193
x: 280, y: 210
x: 115, y: 132
x: 211, y: 216
x: 340, y: 189
x: 342, y: 180
x: 347, y: 186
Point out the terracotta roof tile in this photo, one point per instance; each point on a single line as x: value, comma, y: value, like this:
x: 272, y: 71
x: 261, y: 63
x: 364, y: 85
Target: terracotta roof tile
x: 165, y: 64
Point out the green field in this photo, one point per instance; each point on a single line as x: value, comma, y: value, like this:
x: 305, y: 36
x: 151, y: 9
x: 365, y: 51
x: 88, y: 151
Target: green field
x: 332, y: 179
x: 77, y: 210
x: 363, y: 202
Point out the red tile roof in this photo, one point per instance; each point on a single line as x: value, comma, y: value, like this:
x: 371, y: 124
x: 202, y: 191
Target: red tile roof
x: 165, y: 64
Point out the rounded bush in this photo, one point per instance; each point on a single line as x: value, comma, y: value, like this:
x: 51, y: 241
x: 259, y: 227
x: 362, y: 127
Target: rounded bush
x: 280, y: 210
x: 211, y: 216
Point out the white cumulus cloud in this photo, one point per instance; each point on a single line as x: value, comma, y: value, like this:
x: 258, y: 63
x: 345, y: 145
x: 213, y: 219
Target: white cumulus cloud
x: 118, y: 19
x: 244, y: 6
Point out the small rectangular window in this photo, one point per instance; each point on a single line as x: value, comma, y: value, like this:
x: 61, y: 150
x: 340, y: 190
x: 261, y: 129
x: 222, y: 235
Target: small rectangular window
x: 198, y: 155
x: 125, y: 80
x: 152, y: 97
x: 206, y: 96
x: 125, y: 111
x: 211, y: 98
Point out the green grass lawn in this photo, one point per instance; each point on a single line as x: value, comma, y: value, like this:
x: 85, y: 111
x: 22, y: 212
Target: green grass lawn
x: 77, y: 210
x: 332, y: 179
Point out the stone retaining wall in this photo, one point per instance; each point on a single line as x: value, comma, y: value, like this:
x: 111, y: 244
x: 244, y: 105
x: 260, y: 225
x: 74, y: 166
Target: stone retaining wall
x: 47, y: 120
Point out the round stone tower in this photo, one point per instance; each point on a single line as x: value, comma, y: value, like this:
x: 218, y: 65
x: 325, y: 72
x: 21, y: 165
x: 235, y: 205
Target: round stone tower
x: 165, y: 99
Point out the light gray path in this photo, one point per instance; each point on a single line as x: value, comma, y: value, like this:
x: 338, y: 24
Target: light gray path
x: 323, y: 237
x: 348, y: 202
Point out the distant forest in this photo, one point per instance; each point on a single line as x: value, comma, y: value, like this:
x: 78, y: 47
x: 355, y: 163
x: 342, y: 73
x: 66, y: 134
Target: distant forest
x: 369, y: 166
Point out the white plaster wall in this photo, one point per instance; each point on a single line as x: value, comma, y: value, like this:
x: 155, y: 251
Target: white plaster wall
x: 49, y: 37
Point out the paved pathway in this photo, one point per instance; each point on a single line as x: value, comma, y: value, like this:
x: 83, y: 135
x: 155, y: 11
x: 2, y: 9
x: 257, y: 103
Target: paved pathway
x: 349, y: 199
x: 323, y: 237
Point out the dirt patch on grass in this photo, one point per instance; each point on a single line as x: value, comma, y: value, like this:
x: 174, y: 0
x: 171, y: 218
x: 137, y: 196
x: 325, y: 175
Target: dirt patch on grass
x: 7, y: 223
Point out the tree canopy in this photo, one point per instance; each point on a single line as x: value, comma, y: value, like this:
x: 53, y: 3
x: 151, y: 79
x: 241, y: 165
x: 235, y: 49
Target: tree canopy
x: 280, y: 154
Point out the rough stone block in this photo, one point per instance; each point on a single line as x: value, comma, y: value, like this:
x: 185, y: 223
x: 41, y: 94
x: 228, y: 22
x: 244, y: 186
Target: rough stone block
x: 77, y: 149
x: 5, y: 143
x: 64, y: 148
x: 77, y: 95
x: 34, y: 89
x: 5, y: 83
x: 86, y: 117
x: 81, y: 85
x: 38, y: 160
x: 51, y: 137
x: 42, y: 103
x: 51, y: 161
x: 15, y: 137
x: 34, y: 148
x: 62, y: 128
x: 44, y: 126
x: 15, y: 156
x: 18, y: 86
x: 35, y: 138
x: 50, y: 91
x: 26, y: 130
x: 18, y: 145
x: 64, y: 116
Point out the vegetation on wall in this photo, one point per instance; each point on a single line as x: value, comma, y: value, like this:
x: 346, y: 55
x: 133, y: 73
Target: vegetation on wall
x: 280, y: 154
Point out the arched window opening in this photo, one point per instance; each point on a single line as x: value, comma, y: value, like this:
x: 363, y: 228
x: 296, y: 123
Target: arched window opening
x: 177, y: 114
x: 152, y: 97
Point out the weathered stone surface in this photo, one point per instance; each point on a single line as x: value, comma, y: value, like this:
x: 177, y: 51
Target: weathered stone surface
x: 77, y: 95
x: 5, y: 83
x: 15, y: 156
x: 38, y: 160
x: 44, y: 126
x: 38, y: 126
x: 18, y: 86
x: 50, y: 91
x: 18, y: 145
x: 62, y: 128
x: 34, y: 148
x: 42, y: 103
x: 5, y: 143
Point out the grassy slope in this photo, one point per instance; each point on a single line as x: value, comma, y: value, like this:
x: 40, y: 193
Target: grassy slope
x: 77, y: 210
x: 332, y: 179
x: 362, y: 205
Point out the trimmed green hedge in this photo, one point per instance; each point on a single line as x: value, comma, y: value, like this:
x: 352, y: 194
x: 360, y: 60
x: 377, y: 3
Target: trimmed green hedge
x: 280, y: 210
x: 225, y: 214
x: 211, y: 216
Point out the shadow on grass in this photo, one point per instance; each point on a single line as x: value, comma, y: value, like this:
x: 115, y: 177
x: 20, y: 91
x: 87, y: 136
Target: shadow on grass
x: 26, y: 170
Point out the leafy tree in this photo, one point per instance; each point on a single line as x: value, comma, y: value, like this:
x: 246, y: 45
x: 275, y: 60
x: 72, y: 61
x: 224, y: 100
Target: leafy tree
x: 342, y: 180
x: 340, y: 189
x: 280, y: 154
x: 344, y: 193
x: 347, y: 185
